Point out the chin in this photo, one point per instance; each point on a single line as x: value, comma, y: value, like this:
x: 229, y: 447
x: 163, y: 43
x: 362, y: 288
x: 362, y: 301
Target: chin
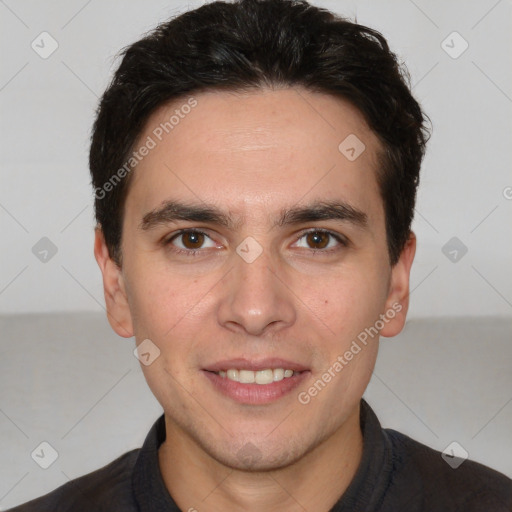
x: 259, y: 456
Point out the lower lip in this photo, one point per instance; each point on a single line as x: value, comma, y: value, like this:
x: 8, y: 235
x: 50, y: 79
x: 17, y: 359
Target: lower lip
x: 255, y: 394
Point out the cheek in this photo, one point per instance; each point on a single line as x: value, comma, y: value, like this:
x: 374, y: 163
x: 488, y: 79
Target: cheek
x: 168, y: 310
x: 352, y: 302
x: 351, y: 308
x: 173, y: 311
x: 152, y: 303
x: 159, y: 299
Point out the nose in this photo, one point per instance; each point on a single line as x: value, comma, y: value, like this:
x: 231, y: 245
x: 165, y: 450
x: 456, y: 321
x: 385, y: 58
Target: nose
x: 256, y: 297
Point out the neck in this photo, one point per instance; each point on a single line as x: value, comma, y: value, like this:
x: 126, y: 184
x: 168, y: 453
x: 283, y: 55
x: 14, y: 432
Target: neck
x: 196, y: 481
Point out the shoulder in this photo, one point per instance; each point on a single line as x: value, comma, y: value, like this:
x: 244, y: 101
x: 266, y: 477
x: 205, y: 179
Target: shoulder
x: 107, y: 488
x: 470, y: 486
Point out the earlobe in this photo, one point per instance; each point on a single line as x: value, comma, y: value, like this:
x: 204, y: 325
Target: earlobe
x: 118, y: 311
x: 397, y: 302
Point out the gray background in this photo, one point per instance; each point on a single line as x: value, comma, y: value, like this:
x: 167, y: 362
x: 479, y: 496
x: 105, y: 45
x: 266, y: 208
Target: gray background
x: 69, y: 380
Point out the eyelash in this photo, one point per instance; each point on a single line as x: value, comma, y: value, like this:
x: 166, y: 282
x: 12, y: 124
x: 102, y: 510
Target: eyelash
x: 193, y: 252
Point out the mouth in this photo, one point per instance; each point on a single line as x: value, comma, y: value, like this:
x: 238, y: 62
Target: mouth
x: 261, y: 377
x: 256, y: 382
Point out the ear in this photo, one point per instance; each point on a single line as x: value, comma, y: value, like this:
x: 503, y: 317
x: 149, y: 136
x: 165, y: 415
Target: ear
x: 118, y: 311
x: 397, y: 302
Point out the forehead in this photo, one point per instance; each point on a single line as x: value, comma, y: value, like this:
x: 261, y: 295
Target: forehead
x: 255, y: 151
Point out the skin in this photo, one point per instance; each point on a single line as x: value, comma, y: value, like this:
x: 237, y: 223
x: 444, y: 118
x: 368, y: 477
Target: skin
x: 253, y: 154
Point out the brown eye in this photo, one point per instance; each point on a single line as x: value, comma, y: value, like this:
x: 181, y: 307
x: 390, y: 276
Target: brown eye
x: 190, y: 242
x: 318, y: 239
x: 322, y: 241
x: 192, y: 239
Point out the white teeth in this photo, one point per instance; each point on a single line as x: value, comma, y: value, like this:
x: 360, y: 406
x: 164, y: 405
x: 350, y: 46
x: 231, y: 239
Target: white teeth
x: 259, y: 377
x: 278, y: 374
x: 232, y: 375
x: 264, y: 377
x: 246, y: 376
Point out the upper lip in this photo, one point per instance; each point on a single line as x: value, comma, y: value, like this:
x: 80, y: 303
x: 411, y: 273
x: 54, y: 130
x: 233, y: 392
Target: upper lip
x: 262, y: 364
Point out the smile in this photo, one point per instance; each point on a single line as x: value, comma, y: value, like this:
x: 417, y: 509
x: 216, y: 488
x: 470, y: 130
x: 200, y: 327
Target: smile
x: 256, y: 387
x: 262, y: 377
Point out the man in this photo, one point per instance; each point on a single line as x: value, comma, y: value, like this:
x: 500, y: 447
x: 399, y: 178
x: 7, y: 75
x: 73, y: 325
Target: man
x: 255, y: 167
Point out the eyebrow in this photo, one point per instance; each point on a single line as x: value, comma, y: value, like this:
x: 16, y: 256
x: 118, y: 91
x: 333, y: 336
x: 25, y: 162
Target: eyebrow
x: 172, y: 210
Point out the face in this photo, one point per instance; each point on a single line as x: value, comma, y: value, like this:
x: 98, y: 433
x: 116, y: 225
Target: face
x: 247, y: 268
